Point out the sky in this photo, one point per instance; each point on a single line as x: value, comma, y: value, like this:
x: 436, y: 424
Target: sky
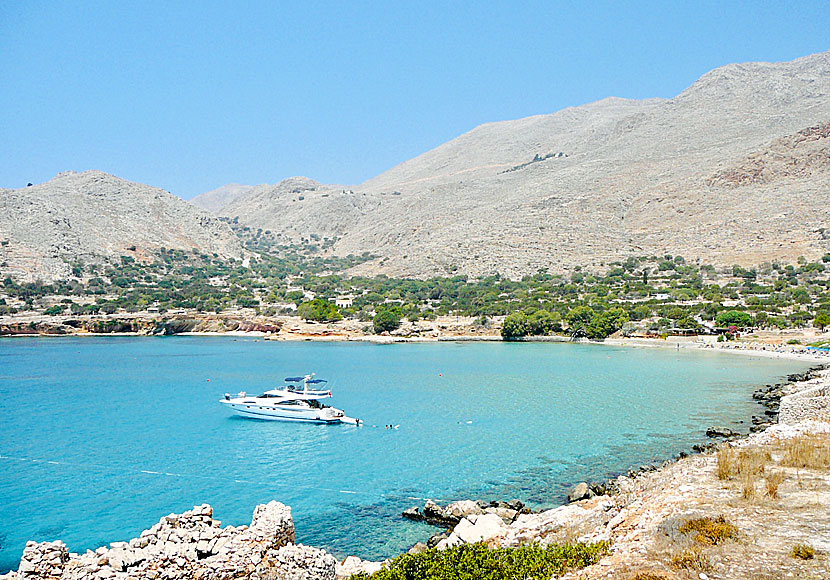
x: 191, y: 96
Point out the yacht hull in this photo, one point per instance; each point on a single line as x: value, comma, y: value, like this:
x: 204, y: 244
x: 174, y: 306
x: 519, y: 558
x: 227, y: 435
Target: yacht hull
x: 269, y: 413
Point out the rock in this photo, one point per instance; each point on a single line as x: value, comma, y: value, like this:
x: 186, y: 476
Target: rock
x: 721, y: 432
x: 354, y: 565
x: 436, y: 538
x: 417, y: 548
x: 485, y: 527
x: 298, y: 562
x: 414, y: 514
x: 449, y: 542
x: 580, y: 492
x: 462, y: 509
x: 506, y: 514
x: 433, y: 511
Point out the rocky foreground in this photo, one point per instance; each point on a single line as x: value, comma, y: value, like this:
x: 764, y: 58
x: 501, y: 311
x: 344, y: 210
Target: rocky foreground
x: 767, y: 496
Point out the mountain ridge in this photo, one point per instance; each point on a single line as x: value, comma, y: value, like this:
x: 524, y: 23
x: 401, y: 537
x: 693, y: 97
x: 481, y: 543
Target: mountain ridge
x: 586, y: 185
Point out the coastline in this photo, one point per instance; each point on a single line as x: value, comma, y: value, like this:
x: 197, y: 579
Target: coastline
x: 641, y: 520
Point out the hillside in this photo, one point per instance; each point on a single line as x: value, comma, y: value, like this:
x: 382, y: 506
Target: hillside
x: 592, y: 184
x: 217, y: 199
x: 92, y: 215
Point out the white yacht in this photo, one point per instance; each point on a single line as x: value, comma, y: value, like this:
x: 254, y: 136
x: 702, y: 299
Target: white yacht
x: 290, y: 403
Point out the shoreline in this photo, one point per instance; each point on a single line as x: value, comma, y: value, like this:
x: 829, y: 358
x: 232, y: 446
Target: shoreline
x: 568, y: 513
x: 737, y: 347
x: 633, y: 519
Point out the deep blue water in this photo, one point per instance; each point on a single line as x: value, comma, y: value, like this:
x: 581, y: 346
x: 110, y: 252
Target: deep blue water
x: 127, y: 430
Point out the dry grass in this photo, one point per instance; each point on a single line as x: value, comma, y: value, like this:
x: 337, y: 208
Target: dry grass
x: 774, y: 480
x: 691, y: 559
x: 807, y: 452
x: 709, y: 531
x: 726, y: 461
x: 647, y: 576
x: 748, y: 491
x: 732, y: 462
x: 803, y: 552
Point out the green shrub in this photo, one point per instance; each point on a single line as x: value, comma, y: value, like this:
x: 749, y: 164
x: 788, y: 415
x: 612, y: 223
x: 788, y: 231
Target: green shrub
x: 319, y: 310
x: 478, y: 562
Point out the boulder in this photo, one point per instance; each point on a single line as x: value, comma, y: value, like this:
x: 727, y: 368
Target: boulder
x: 485, y: 527
x: 417, y: 548
x: 354, y: 565
x: 506, y: 514
x: 721, y: 432
x: 413, y: 513
x: 579, y: 492
x: 433, y: 511
x: 462, y: 509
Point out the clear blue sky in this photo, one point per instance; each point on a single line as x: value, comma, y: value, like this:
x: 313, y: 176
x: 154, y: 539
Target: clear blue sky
x: 190, y: 96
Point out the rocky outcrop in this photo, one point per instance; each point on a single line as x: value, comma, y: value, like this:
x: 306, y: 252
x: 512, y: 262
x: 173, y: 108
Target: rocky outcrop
x: 191, y: 545
x: 452, y: 514
x: 811, y: 403
x: 149, y: 324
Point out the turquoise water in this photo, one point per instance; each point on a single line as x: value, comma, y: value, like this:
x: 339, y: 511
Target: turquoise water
x: 126, y: 430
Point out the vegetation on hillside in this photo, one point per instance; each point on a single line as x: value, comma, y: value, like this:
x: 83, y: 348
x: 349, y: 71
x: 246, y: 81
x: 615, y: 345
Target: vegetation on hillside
x: 653, y: 295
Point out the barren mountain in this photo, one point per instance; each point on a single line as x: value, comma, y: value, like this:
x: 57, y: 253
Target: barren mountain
x: 217, y: 199
x: 91, y: 215
x: 593, y: 184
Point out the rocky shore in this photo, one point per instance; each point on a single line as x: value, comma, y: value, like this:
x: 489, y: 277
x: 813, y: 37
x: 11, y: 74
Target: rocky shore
x: 771, y: 490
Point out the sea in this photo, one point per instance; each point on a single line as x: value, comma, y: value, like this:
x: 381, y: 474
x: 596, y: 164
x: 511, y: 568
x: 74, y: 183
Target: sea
x: 102, y: 436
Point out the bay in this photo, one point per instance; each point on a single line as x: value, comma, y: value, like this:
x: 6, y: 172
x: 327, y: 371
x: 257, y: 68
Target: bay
x: 101, y: 437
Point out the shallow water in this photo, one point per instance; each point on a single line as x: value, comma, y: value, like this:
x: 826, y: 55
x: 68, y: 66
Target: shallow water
x: 126, y: 430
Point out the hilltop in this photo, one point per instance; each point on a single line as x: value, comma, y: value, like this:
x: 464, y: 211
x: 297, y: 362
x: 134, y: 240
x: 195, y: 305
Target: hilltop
x: 93, y: 216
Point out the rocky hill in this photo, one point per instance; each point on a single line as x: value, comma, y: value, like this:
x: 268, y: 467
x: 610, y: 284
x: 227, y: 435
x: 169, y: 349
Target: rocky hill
x: 92, y: 215
x: 217, y: 199
x: 593, y: 184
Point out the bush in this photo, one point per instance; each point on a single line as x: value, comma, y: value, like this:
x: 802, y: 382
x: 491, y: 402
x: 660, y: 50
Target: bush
x: 319, y: 310
x: 478, y: 562
x: 709, y: 531
x: 53, y: 310
x: 804, y: 552
x: 386, y: 320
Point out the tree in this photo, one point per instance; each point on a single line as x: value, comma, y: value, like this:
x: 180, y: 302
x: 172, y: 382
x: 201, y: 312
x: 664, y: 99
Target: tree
x: 542, y: 323
x: 605, y: 323
x: 580, y: 316
x: 515, y: 325
x: 386, y: 320
x: 822, y: 319
x: 319, y: 310
x: 734, y: 317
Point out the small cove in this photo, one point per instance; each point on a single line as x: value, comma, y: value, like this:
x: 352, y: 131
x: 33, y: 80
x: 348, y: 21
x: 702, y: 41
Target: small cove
x: 128, y: 429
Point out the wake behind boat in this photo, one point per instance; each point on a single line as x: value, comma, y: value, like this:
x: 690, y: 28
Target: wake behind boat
x: 290, y: 403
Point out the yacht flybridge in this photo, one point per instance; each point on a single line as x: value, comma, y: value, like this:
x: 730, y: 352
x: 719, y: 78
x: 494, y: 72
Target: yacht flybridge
x: 298, y: 400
